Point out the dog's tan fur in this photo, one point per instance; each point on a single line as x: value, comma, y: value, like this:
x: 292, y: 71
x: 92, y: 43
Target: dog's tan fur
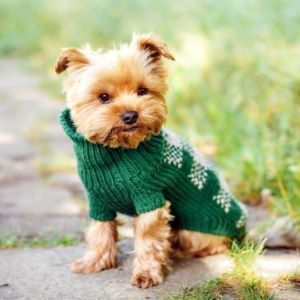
x: 120, y: 73
x: 102, y: 253
x: 152, y: 247
x: 186, y: 244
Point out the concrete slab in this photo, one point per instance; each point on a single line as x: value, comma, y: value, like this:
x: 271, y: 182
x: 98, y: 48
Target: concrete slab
x: 45, y: 274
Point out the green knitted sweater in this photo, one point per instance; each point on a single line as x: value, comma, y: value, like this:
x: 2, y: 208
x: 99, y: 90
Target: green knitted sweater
x: 135, y: 181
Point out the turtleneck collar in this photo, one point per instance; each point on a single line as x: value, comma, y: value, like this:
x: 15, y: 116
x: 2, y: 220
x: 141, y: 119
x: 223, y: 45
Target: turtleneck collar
x: 69, y: 126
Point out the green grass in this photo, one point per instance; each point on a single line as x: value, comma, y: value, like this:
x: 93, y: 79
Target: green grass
x: 293, y: 277
x: 235, y: 84
x: 243, y: 278
x: 12, y: 242
x: 244, y: 256
x: 209, y: 290
x: 241, y: 282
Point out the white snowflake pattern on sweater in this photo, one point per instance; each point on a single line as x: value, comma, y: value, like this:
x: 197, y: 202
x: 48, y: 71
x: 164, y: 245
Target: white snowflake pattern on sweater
x: 198, y: 174
x: 223, y: 198
x: 241, y: 221
x: 173, y: 154
x: 200, y: 165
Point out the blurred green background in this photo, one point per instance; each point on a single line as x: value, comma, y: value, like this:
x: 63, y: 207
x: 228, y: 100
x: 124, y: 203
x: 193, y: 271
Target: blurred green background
x: 234, y: 88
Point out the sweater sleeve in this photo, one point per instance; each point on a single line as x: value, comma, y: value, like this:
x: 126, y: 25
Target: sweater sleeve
x: 147, y: 200
x: 98, y: 210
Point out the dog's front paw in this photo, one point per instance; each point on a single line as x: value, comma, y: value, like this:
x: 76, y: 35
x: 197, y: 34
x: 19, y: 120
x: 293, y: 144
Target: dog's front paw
x: 145, y: 279
x: 93, y: 262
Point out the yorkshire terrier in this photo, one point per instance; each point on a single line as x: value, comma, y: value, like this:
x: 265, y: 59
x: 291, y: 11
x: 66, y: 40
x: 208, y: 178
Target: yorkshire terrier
x: 115, y: 113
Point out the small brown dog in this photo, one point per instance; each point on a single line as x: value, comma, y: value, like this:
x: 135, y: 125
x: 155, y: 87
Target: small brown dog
x: 117, y: 99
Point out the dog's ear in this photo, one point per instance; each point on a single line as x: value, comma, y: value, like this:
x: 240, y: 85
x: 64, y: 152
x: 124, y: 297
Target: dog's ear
x: 70, y: 57
x: 153, y: 45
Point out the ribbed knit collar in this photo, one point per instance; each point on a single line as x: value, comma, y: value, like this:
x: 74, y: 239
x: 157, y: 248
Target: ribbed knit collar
x: 148, y: 152
x: 69, y: 126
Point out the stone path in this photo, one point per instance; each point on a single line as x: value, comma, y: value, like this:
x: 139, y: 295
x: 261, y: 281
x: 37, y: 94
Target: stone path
x: 44, y: 274
x: 31, y: 141
x: 40, y: 196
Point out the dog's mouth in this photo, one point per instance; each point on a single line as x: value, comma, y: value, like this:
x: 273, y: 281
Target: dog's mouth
x: 131, y: 128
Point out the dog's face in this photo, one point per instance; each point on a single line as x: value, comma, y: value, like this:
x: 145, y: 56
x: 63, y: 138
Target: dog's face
x: 116, y: 98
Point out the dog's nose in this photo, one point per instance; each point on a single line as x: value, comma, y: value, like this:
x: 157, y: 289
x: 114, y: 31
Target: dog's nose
x: 130, y: 117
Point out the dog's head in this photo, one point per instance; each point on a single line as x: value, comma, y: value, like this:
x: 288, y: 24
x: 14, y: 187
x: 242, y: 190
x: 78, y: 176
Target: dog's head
x: 116, y: 98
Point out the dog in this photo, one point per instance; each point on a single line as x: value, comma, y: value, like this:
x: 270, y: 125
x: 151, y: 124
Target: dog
x: 129, y: 163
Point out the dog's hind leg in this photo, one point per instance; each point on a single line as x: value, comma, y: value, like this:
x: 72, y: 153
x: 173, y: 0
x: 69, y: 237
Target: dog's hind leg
x: 186, y: 244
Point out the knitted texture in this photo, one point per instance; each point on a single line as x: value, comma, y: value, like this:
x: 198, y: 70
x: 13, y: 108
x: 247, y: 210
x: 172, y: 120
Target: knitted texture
x: 135, y: 181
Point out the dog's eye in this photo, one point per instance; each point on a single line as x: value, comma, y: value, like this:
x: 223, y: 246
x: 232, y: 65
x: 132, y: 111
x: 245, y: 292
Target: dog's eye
x: 104, y: 98
x: 142, y: 91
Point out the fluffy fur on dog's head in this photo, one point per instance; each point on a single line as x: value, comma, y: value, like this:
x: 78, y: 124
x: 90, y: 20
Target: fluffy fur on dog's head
x: 116, y: 98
